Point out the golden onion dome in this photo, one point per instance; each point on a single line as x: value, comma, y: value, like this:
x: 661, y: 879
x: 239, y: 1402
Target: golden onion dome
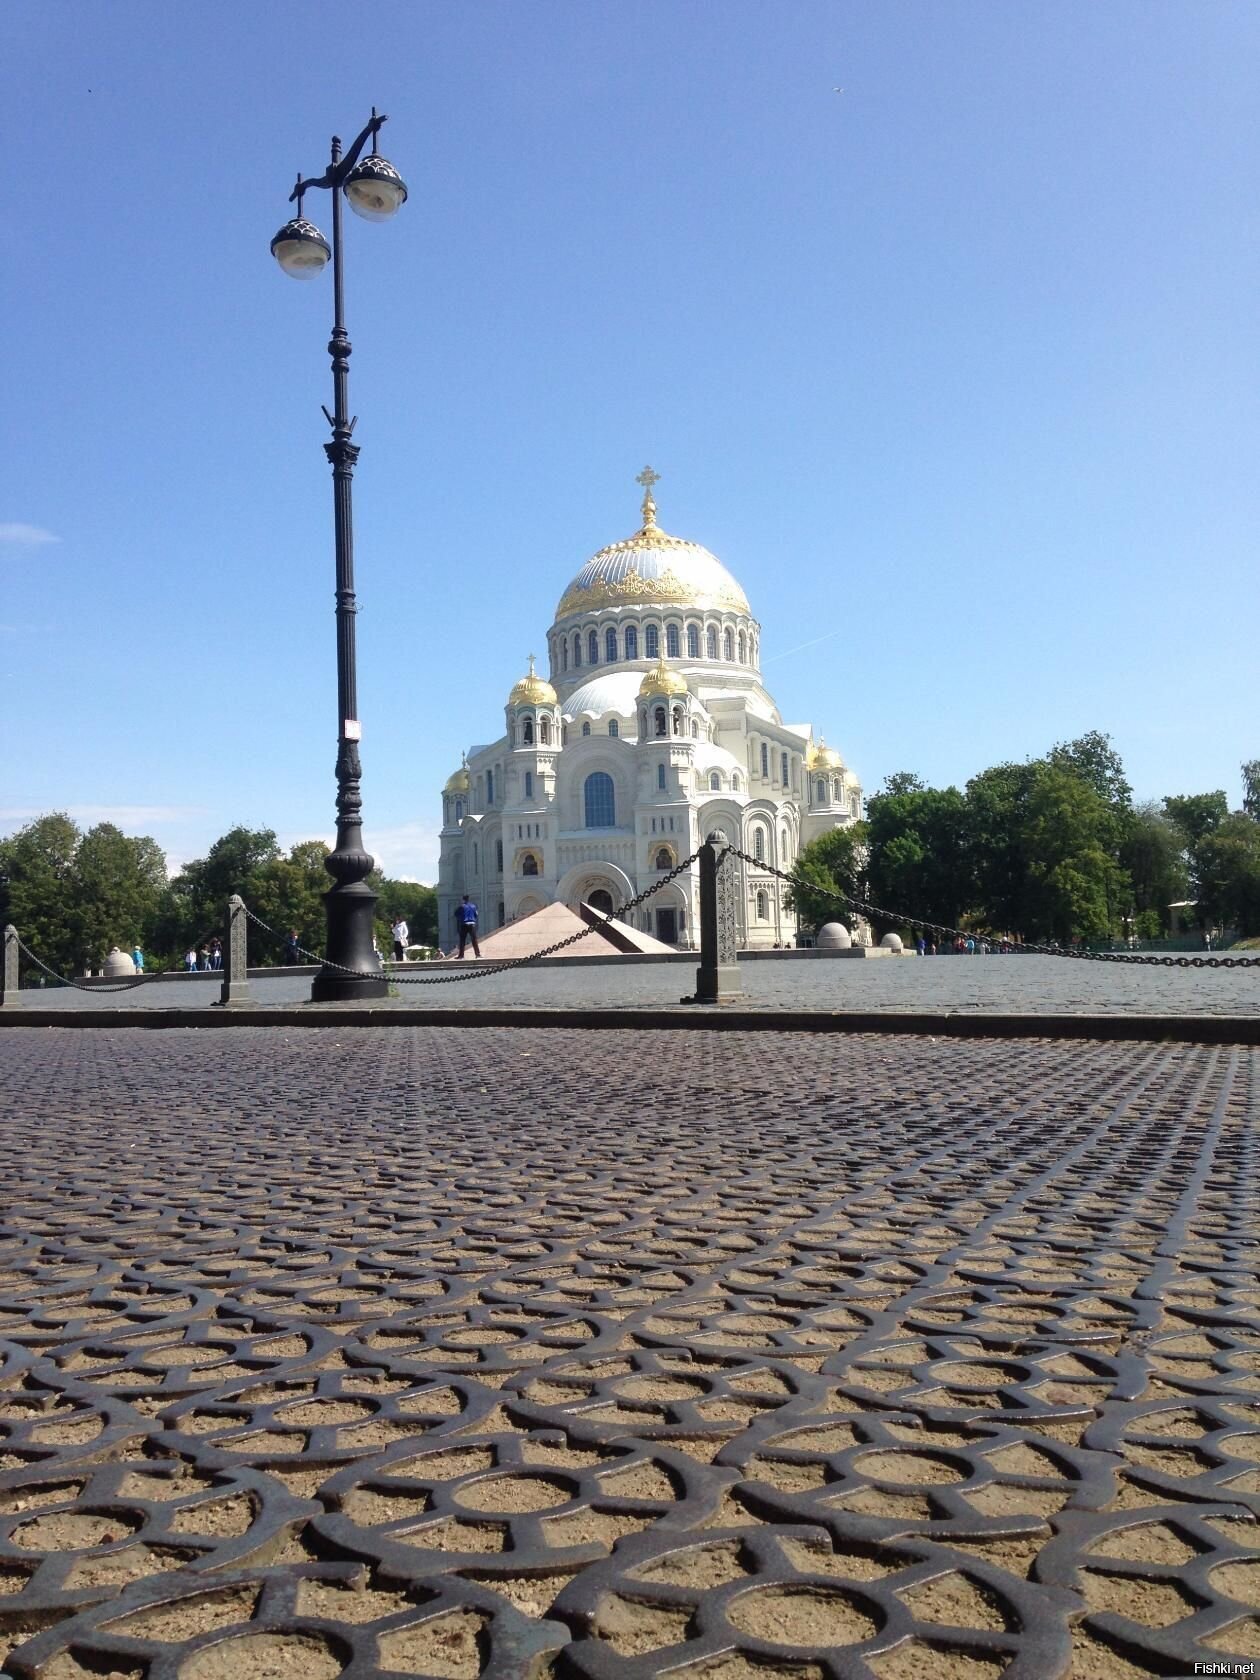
x: 661, y: 680
x: 652, y: 568
x: 823, y: 757
x: 458, y: 783
x: 532, y: 690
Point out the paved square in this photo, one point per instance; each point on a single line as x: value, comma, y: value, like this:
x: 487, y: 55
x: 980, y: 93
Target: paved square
x: 399, y: 1351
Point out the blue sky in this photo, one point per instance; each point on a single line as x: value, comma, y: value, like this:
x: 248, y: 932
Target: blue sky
x: 955, y: 370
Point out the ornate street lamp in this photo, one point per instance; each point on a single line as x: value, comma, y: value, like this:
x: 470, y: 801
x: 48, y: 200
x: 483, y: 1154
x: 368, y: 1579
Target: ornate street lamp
x: 375, y: 191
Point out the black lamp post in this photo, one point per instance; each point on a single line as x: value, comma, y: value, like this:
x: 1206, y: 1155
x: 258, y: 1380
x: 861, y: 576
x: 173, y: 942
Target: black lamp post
x: 375, y: 190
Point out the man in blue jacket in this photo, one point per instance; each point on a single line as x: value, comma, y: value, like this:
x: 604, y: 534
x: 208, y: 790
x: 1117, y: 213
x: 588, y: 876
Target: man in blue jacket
x: 466, y: 919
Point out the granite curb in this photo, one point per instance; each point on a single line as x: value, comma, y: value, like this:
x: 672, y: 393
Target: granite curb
x: 1184, y: 1029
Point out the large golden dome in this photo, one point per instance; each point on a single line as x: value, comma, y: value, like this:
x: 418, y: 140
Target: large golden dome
x: 823, y: 757
x: 532, y: 690
x: 652, y: 568
x: 458, y: 783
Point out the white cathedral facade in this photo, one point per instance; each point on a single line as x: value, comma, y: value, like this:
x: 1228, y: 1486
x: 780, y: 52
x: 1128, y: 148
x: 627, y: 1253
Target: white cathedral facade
x: 652, y: 731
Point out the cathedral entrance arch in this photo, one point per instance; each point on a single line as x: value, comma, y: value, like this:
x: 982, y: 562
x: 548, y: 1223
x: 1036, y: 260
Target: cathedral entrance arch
x: 585, y: 882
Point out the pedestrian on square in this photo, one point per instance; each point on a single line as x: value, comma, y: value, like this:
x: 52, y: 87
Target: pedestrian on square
x: 216, y: 955
x: 466, y: 917
x: 190, y: 960
x: 292, y: 955
x: 401, y: 935
x: 137, y: 957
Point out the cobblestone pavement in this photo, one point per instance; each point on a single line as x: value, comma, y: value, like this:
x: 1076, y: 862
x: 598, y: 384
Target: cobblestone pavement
x: 386, y: 1352
x: 985, y: 985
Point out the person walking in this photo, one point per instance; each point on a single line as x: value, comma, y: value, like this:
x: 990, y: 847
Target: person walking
x: 216, y: 955
x: 137, y: 957
x: 466, y: 920
x: 190, y: 960
x: 292, y: 955
x: 401, y: 935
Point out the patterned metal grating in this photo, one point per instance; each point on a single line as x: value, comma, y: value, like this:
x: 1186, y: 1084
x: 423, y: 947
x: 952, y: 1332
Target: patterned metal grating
x: 528, y: 1354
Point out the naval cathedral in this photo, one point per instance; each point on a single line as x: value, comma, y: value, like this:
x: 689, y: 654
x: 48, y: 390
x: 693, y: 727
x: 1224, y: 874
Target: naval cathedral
x: 651, y: 730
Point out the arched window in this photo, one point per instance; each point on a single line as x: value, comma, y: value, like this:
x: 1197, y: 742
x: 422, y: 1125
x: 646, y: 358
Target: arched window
x: 651, y: 642
x: 632, y: 642
x: 564, y: 653
x: 743, y: 648
x: 592, y: 648
x: 693, y: 642
x: 660, y: 721
x: 544, y: 731
x: 459, y: 810
x: 678, y: 720
x: 734, y: 782
x: 527, y: 732
x: 836, y: 789
x: 664, y: 858
x: 529, y: 784
x: 715, y: 782
x: 498, y: 856
x: 673, y: 646
x: 855, y: 805
x: 765, y: 761
x: 695, y: 729
x: 529, y: 864
x: 612, y: 727
x: 710, y: 641
x: 601, y: 810
x: 489, y: 787
x: 586, y: 729
x: 660, y: 777
x: 642, y: 724
x: 821, y: 791
x: 763, y: 907
x: 577, y: 650
x: 785, y: 850
x: 476, y: 859
x: 728, y: 645
x: 610, y: 646
x: 759, y: 844
x: 783, y: 768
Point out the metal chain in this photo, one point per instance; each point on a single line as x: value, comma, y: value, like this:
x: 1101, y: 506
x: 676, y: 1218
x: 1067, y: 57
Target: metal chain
x: 864, y: 908
x: 616, y: 914
x: 117, y: 985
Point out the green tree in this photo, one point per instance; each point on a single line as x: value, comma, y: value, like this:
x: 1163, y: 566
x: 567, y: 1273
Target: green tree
x: 833, y: 863
x: 1093, y: 759
x: 997, y: 816
x: 413, y: 901
x: 920, y: 852
x: 1078, y: 888
x: 42, y: 894
x: 288, y: 893
x: 1251, y: 788
x: 1153, y: 853
x: 1228, y: 859
x: 1196, y: 814
x: 117, y: 884
x: 901, y: 781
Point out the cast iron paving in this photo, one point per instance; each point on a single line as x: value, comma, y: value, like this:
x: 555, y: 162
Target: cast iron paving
x: 414, y: 1352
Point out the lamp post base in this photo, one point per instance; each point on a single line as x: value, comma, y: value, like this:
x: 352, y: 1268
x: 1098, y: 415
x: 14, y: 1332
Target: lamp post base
x: 330, y: 985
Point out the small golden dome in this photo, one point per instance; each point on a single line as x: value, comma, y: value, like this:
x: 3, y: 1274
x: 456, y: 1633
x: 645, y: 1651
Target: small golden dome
x: 823, y: 757
x: 533, y: 690
x: 661, y: 680
x: 458, y: 783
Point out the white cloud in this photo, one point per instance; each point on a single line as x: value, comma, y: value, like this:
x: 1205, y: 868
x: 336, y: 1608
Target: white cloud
x: 405, y: 851
x: 125, y: 816
x: 25, y: 536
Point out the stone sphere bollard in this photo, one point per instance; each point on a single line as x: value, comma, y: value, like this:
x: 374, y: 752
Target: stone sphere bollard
x: 891, y: 942
x: 118, y: 964
x: 834, y: 936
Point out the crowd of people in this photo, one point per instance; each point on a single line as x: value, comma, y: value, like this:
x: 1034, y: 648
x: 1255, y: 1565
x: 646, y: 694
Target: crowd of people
x: 206, y: 960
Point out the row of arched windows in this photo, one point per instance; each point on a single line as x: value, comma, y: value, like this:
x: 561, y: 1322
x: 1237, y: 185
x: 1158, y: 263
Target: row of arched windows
x: 736, y: 647
x: 527, y: 732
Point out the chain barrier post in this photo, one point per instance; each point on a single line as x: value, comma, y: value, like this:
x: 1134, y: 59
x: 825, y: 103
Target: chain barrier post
x: 717, y: 978
x: 235, y: 957
x: 10, y: 997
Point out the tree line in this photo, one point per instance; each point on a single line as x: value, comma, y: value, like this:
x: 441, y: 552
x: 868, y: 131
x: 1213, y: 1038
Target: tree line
x: 73, y: 894
x: 1053, y: 849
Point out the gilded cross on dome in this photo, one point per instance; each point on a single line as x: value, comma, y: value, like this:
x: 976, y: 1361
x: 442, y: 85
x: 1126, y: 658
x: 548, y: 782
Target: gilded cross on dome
x: 531, y: 658
x: 647, y: 478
